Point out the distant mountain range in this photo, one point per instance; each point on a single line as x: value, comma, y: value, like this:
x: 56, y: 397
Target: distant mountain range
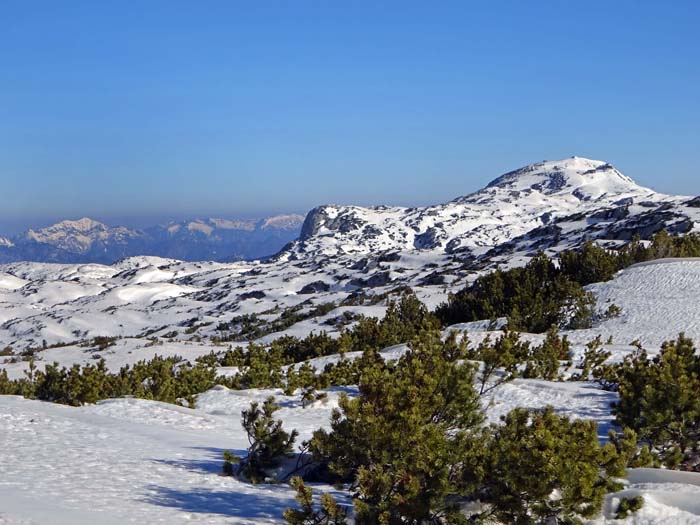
x: 89, y: 241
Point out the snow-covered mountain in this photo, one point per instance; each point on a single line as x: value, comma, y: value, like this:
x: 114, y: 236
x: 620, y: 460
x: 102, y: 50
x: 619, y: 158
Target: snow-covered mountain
x: 80, y: 236
x: 86, y: 240
x: 344, y: 256
x: 560, y: 200
x: 72, y: 241
x: 223, y: 239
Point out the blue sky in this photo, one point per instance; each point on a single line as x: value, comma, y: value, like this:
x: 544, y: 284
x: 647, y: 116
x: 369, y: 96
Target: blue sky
x: 137, y: 111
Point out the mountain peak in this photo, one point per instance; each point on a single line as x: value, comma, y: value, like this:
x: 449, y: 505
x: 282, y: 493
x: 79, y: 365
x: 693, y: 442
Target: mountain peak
x: 287, y: 221
x: 585, y: 178
x: 84, y: 224
x: 79, y: 226
x: 79, y: 236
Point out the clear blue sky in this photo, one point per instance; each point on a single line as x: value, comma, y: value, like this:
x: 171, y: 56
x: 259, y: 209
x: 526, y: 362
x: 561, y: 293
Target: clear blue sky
x: 135, y: 110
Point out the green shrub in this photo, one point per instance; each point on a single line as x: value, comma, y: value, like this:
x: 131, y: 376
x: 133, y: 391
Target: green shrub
x: 627, y: 506
x: 262, y: 369
x: 594, y: 357
x: 589, y: 264
x: 658, y: 398
x: 269, y: 443
x: 533, y: 298
x: 544, y: 360
x: 507, y: 355
x: 161, y: 379
x: 330, y: 513
x: 406, y: 441
x: 537, y: 453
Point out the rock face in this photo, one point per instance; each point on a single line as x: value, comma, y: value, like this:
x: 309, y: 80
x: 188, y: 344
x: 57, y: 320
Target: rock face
x: 86, y: 240
x: 327, y: 218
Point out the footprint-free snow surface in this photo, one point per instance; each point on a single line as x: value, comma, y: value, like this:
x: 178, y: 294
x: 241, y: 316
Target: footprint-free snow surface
x: 134, y: 461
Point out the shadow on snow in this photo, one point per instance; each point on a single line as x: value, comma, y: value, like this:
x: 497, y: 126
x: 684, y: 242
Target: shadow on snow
x: 242, y: 500
x: 270, y: 504
x: 213, y: 464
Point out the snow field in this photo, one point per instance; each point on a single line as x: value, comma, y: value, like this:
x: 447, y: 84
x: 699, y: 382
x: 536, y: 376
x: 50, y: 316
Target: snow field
x: 136, y: 461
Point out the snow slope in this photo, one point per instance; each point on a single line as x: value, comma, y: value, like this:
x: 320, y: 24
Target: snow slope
x: 150, y: 463
x: 658, y: 301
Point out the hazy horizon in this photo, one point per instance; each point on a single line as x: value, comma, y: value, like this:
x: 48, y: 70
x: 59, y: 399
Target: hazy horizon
x: 247, y: 109
x: 13, y: 226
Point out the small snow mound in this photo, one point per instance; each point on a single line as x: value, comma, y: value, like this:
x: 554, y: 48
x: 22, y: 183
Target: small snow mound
x: 149, y: 293
x: 323, y: 402
x: 669, y: 497
x: 10, y: 282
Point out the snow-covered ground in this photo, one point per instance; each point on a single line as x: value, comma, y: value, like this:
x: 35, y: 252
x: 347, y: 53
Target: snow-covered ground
x: 658, y: 301
x: 129, y: 461
x: 137, y: 461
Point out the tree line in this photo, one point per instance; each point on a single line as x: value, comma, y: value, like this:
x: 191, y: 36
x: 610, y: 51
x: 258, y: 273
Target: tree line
x: 548, y: 291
